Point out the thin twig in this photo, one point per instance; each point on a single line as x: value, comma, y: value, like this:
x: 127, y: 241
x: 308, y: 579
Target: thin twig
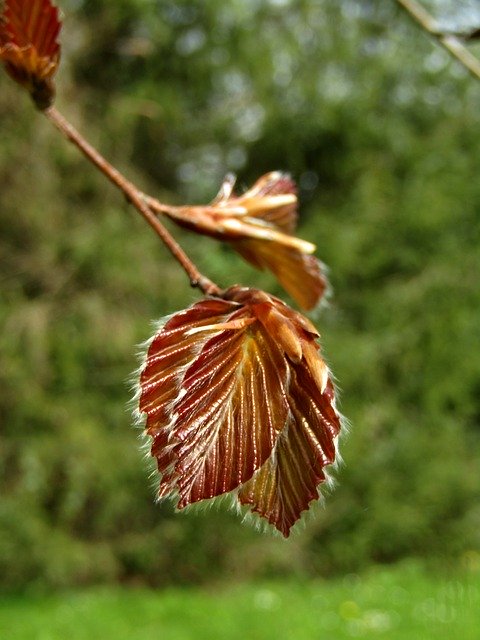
x: 157, y: 206
x: 136, y: 198
x: 450, y: 42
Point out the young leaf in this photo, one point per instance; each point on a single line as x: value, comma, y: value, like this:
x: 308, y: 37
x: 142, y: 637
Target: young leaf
x: 288, y: 482
x: 236, y: 396
x: 29, y: 47
x: 259, y: 225
x: 300, y: 274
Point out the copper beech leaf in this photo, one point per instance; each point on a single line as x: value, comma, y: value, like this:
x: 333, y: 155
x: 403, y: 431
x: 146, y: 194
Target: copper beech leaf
x: 28, y: 46
x: 300, y: 274
x: 237, y: 397
x: 273, y: 199
x: 288, y: 482
x: 259, y: 224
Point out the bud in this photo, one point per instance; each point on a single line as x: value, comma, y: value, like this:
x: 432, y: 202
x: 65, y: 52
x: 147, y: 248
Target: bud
x: 259, y: 225
x: 29, y: 47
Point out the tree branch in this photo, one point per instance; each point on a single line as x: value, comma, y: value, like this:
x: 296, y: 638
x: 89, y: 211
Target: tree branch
x: 136, y: 198
x: 450, y: 42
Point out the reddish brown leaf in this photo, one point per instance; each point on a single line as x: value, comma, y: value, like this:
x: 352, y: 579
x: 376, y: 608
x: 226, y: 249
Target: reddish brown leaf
x: 259, y: 225
x: 267, y: 211
x: 300, y: 274
x: 289, y: 480
x: 171, y: 350
x: 222, y: 421
x: 237, y: 396
x: 29, y: 47
x: 273, y: 198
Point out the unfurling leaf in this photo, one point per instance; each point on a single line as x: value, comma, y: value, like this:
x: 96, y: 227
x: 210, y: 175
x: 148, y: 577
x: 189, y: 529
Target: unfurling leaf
x: 29, y: 47
x: 238, y: 399
x: 259, y: 225
x: 300, y: 274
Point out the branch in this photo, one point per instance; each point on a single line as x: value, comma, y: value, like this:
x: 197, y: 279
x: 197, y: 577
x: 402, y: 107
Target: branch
x: 450, y: 42
x: 136, y: 198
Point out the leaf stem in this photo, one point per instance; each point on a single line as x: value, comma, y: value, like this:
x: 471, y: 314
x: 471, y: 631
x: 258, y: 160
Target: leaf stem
x: 136, y: 198
x: 449, y: 41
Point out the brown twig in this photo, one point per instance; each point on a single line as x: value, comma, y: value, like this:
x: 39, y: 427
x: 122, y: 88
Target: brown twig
x: 157, y: 206
x: 136, y: 198
x: 450, y: 42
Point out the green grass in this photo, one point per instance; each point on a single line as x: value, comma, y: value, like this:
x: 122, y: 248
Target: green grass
x: 403, y: 602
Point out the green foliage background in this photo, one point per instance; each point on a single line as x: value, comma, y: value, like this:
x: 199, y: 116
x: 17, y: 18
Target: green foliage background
x: 382, y: 132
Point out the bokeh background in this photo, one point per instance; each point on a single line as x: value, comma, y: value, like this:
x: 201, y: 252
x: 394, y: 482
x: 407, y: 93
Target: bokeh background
x: 381, y: 130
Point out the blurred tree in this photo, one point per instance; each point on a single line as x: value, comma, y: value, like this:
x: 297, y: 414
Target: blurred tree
x: 381, y: 130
